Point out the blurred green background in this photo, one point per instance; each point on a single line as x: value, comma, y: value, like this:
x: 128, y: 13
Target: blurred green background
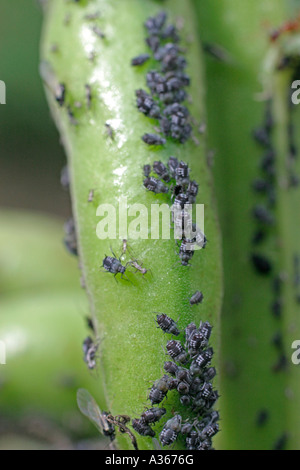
x: 31, y: 156
x: 40, y: 293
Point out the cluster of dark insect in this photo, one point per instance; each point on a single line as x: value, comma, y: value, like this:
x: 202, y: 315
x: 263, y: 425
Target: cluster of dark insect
x: 188, y: 374
x: 264, y: 216
x: 175, y: 178
x: 166, y: 83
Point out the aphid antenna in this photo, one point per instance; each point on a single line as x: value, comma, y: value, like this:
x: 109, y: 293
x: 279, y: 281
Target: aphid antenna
x: 123, y: 276
x: 115, y: 256
x: 188, y: 265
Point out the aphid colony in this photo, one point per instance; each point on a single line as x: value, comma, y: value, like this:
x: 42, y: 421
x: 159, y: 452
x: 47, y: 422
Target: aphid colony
x: 175, y: 178
x: 190, y: 375
x: 166, y: 83
x: 265, y: 187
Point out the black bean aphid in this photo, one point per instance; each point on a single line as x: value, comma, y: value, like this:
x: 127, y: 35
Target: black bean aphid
x: 276, y: 308
x: 113, y: 266
x: 167, y: 437
x: 185, y: 400
x: 88, y: 95
x: 174, y: 348
x: 170, y: 431
x: 262, y: 264
x: 154, y: 24
x: 156, y: 396
x: 210, y: 430
x: 183, y: 388
x: 191, y: 327
x: 182, y: 173
x: 146, y: 104
x: 261, y: 136
x: 153, y: 139
x: 92, y: 16
x: 204, y: 358
x: 281, y: 364
x: 91, y: 195
x: 90, y: 351
x: 153, y: 42
x: 262, y: 417
x: 267, y: 163
x: 153, y: 415
x: 192, y: 191
x: 173, y: 164
x: 185, y: 253
x: 140, y: 60
x: 281, y: 442
x: 110, y: 131
x: 258, y: 237
x: 170, y: 32
x: 176, y: 351
x: 167, y: 325
x: 217, y: 52
x: 160, y: 389
x: 160, y: 169
x: 147, y: 170
x: 171, y: 367
x: 142, y: 428
x: 70, y: 239
x: 138, y: 267
x: 90, y: 324
x: 154, y: 185
x: 260, y: 185
x: 196, y: 298
x: 262, y: 214
x: 98, y: 32
x: 65, y: 178
x: 60, y: 94
x: 209, y: 373
x: 71, y: 117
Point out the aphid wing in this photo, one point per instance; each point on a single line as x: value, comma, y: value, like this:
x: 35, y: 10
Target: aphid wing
x: 90, y: 409
x: 156, y: 444
x: 48, y: 76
